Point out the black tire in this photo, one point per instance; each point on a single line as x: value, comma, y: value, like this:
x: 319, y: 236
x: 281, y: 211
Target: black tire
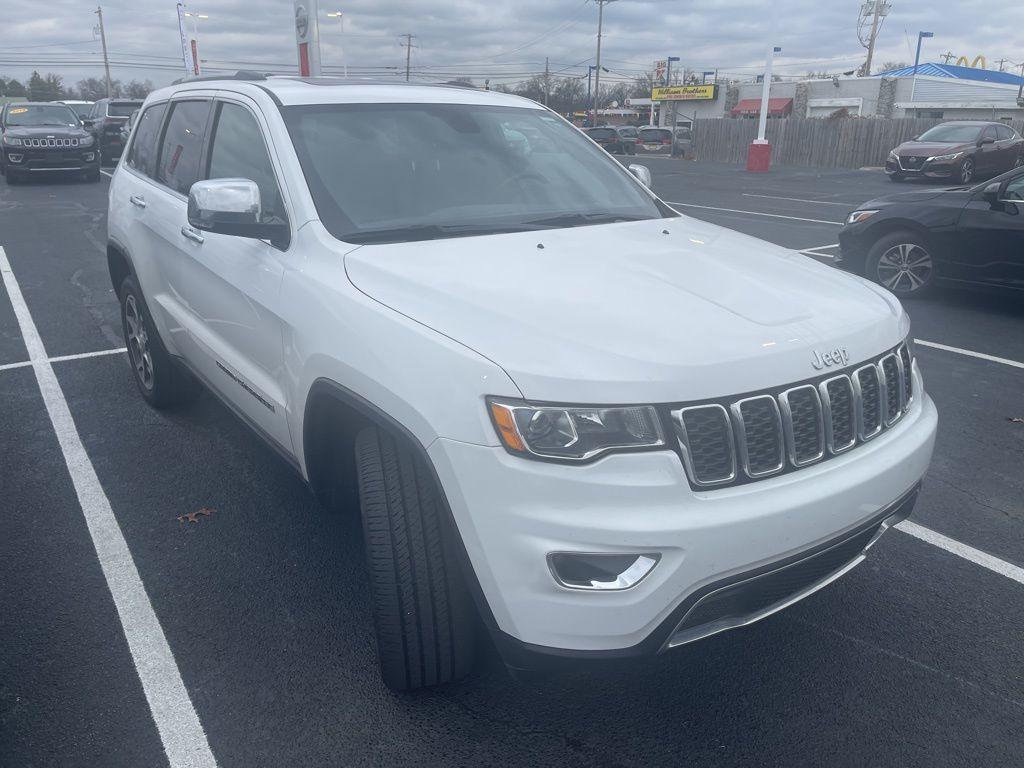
x: 162, y: 381
x: 13, y: 177
x: 92, y: 176
x: 424, y: 616
x: 883, y: 264
x: 897, y: 177
x: 967, y: 170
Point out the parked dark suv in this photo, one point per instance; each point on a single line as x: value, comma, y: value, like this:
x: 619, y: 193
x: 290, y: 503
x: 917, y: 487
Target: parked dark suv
x: 107, y: 117
x: 40, y: 139
x: 959, y: 151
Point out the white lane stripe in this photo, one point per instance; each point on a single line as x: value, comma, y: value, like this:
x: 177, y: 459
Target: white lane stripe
x: 976, y: 556
x: 969, y: 353
x: 106, y: 173
x: 63, y: 358
x: 819, y: 248
x: 816, y: 255
x: 801, y: 200
x: 176, y: 720
x: 758, y: 213
x: 83, y: 355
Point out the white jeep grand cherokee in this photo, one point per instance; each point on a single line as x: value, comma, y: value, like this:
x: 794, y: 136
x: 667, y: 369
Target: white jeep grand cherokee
x: 600, y: 427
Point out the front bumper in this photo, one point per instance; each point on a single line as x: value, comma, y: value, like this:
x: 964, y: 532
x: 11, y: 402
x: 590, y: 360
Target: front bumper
x: 511, y: 513
x: 32, y: 160
x: 935, y: 169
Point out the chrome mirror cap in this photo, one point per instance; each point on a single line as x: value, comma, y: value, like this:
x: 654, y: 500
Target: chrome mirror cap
x: 643, y: 173
x: 224, y: 202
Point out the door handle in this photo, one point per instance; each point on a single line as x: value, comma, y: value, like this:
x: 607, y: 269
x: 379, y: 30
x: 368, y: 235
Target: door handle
x: 137, y: 200
x: 191, y: 234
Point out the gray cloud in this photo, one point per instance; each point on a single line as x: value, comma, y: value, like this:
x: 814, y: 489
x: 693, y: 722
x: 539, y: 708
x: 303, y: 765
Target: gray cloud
x: 502, y: 41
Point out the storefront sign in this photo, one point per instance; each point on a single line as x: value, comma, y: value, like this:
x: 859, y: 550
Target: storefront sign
x: 686, y: 93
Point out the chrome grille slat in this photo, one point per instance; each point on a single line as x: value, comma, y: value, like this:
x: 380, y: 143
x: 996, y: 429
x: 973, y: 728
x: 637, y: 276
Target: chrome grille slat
x: 48, y: 143
x: 761, y: 435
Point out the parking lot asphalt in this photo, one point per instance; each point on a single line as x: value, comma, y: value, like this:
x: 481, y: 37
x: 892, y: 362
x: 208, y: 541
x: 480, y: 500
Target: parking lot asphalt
x: 913, y: 659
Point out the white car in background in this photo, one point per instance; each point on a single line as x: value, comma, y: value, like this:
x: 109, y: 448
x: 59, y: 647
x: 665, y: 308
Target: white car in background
x: 594, y: 426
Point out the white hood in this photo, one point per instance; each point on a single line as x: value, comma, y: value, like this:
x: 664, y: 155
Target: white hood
x: 627, y: 313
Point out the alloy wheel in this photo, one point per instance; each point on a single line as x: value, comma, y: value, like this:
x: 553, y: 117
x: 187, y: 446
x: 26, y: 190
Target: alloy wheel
x: 905, y: 268
x: 138, y: 342
x: 1020, y: 161
x: 967, y: 171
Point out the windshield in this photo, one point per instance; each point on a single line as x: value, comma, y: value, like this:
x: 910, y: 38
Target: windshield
x: 399, y: 172
x: 655, y: 134
x: 81, y: 109
x: 38, y: 115
x: 951, y: 133
x: 125, y: 109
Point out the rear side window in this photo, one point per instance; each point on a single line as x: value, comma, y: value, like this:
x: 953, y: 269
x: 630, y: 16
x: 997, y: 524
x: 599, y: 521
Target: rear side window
x: 143, y: 155
x: 183, y: 145
x: 1004, y: 132
x: 239, y: 152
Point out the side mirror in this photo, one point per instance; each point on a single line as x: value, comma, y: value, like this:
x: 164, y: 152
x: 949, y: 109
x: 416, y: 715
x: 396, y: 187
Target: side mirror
x: 232, y: 207
x: 986, y: 140
x: 643, y: 173
x: 87, y: 122
x: 991, y: 194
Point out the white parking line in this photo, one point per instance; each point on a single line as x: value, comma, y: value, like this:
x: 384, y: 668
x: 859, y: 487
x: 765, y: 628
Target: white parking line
x: 758, y: 213
x: 801, y: 200
x: 106, y: 173
x: 63, y: 358
x: 969, y: 353
x: 819, y: 248
x: 976, y: 556
x: 176, y: 720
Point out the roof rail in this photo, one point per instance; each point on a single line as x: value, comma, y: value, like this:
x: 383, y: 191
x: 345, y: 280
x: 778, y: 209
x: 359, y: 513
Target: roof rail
x: 242, y: 74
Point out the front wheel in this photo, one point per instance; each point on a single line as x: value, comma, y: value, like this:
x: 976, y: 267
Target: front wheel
x: 426, y: 630
x: 897, y: 177
x: 903, y: 263
x: 967, y: 171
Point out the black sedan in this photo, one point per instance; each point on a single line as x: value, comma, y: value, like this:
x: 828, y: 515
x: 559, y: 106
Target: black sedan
x: 608, y: 138
x: 969, y: 235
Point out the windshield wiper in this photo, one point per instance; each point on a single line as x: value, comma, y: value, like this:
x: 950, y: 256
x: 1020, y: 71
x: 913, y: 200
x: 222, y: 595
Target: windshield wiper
x: 430, y: 232
x: 583, y: 219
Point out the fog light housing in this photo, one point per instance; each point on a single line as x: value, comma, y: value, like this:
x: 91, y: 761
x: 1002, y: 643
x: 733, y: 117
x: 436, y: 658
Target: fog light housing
x: 601, y: 572
x: 15, y: 158
x: 89, y: 156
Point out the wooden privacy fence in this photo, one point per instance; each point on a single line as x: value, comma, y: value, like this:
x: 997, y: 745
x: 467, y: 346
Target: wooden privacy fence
x: 820, y: 142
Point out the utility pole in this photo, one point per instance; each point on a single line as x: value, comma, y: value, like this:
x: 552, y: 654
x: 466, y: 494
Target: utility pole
x: 547, y: 80
x: 103, y: 41
x: 408, y: 53
x: 597, y: 76
x: 947, y: 56
x: 871, y: 39
x: 1001, y: 62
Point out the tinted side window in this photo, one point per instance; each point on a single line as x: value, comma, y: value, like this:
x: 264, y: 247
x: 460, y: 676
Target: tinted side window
x: 989, y: 132
x: 239, y: 152
x: 1004, y: 132
x: 143, y: 155
x: 183, y: 145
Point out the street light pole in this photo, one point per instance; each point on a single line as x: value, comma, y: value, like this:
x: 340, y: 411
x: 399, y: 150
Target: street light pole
x: 671, y: 106
x: 597, y: 77
x: 341, y: 25
x: 917, y: 56
x: 762, y: 121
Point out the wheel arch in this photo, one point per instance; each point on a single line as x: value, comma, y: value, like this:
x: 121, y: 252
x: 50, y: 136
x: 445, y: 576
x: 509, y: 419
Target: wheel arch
x: 332, y: 411
x: 119, y: 264
x: 889, y: 226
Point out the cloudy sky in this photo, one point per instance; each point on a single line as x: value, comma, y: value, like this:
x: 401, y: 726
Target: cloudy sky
x: 502, y: 41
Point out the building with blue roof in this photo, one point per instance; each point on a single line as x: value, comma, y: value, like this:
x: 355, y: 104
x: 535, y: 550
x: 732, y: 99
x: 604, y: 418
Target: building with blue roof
x: 976, y: 74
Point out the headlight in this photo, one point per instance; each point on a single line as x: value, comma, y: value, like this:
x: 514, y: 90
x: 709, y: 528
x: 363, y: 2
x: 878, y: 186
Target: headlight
x: 858, y: 216
x: 893, y: 155
x: 950, y: 156
x: 574, y: 433
x: 86, y: 141
x: 11, y: 141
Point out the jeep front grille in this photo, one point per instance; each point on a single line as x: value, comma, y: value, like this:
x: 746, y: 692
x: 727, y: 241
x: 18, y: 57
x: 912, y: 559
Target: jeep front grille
x: 50, y: 143
x: 737, y: 440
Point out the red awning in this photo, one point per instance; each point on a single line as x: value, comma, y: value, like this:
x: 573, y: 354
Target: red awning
x: 776, y: 107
